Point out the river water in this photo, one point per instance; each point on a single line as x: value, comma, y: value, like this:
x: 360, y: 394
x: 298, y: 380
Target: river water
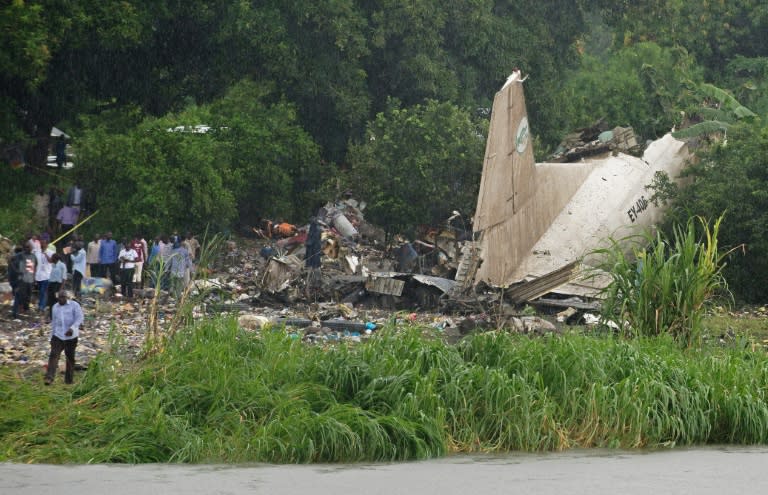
x: 700, y: 471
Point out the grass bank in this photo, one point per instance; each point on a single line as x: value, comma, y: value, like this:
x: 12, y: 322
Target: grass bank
x: 219, y: 394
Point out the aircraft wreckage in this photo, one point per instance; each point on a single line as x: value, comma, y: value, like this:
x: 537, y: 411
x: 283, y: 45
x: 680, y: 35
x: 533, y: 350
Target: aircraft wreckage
x: 535, y: 222
x: 533, y: 225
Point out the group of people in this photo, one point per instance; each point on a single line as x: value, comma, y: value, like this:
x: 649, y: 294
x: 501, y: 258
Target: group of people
x: 37, y: 265
x: 171, y: 257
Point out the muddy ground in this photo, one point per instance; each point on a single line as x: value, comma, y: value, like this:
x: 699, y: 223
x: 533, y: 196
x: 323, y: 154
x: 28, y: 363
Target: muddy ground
x: 324, y: 307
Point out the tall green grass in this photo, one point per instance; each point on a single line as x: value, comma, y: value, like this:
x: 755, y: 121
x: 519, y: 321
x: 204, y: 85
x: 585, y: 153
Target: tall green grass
x: 663, y: 285
x: 215, y: 393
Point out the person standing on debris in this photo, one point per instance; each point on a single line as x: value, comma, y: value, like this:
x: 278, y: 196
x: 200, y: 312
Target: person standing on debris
x: 108, y: 257
x: 313, y: 246
x: 43, y: 273
x: 78, y: 267
x: 55, y: 281
x: 26, y: 268
x: 153, y: 263
x: 66, y: 319
x: 127, y: 259
x: 192, y: 245
x: 92, y: 268
x: 180, y: 264
x: 166, y: 250
x: 140, y: 246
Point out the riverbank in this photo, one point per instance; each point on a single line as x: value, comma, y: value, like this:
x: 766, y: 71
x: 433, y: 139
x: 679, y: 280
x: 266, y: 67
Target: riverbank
x: 218, y: 393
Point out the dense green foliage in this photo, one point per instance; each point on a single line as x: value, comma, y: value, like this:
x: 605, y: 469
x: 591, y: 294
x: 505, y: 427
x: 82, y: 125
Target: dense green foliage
x: 17, y: 216
x: 418, y: 163
x: 164, y: 171
x: 643, y: 86
x: 301, y: 85
x: 712, y: 31
x: 663, y: 285
x: 219, y: 394
x: 732, y: 179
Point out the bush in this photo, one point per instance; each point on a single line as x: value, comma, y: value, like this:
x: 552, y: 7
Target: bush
x: 662, y: 288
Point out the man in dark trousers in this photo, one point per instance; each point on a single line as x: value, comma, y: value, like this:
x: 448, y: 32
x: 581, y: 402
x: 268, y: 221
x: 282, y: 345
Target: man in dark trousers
x: 108, y: 252
x: 61, y: 152
x: 67, y: 316
x: 25, y: 267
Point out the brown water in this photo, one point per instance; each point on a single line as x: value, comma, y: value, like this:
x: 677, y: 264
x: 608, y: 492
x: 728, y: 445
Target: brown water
x: 720, y: 471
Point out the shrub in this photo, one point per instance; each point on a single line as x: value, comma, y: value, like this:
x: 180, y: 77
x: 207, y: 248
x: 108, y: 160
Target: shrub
x: 662, y: 288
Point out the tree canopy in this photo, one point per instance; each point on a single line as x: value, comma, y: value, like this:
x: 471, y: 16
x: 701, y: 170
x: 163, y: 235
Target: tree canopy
x: 293, y: 92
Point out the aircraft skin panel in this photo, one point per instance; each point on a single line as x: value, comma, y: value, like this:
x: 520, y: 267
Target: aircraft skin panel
x: 611, y: 203
x: 536, y: 218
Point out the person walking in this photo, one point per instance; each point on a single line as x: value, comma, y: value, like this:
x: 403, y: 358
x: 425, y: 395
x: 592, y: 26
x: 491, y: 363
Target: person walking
x: 67, y: 317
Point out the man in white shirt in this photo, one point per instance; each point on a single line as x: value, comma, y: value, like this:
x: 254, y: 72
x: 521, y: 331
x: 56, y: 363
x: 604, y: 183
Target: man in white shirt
x: 67, y: 316
x: 127, y: 259
x: 43, y: 272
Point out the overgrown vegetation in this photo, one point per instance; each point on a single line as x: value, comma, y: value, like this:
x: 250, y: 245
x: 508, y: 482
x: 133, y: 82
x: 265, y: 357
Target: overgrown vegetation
x: 217, y: 393
x: 17, y: 216
x: 731, y: 179
x: 292, y: 92
x: 663, y: 284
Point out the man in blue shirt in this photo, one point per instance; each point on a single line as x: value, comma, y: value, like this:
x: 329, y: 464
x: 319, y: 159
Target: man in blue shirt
x: 108, y: 257
x: 67, y: 316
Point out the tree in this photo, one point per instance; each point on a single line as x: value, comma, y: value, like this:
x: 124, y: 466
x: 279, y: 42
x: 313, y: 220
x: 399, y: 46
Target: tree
x: 713, y: 32
x: 24, y: 56
x: 644, y: 86
x: 275, y: 168
x: 243, y: 155
x: 151, y: 179
x: 417, y: 164
x: 54, y: 65
x: 732, y: 179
